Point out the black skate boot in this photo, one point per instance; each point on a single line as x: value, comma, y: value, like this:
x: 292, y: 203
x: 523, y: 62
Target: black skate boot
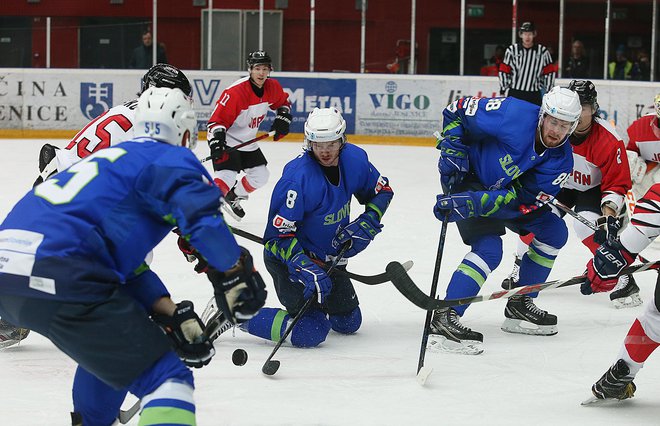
x: 512, y: 280
x: 524, y: 317
x: 10, y: 334
x: 47, y: 163
x: 232, y: 205
x: 626, y: 293
x: 447, y: 334
x: 215, y: 321
x: 615, y: 383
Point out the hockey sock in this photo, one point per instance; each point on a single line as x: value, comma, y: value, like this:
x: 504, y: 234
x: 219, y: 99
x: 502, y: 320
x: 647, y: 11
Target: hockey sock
x: 95, y: 401
x: 638, y: 345
x: 471, y: 274
x: 171, y: 403
x: 224, y: 188
x: 536, y: 264
x: 270, y: 323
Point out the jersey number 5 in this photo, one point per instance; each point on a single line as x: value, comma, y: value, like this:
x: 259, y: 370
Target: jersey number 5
x: 83, y: 173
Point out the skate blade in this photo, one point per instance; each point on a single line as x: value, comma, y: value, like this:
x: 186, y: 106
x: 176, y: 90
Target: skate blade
x: 518, y: 326
x: 438, y: 343
x: 227, y: 209
x: 7, y: 343
x: 423, y: 374
x: 627, y: 302
x: 592, y: 400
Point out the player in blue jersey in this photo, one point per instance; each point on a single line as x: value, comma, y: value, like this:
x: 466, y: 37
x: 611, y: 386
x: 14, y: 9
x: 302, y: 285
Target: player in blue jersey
x: 501, y: 160
x: 309, y: 222
x: 71, y: 249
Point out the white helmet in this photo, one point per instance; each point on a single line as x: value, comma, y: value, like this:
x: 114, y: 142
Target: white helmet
x: 166, y: 115
x: 324, y: 125
x: 563, y: 104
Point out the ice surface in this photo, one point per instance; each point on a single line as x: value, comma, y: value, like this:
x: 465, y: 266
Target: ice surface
x: 369, y: 378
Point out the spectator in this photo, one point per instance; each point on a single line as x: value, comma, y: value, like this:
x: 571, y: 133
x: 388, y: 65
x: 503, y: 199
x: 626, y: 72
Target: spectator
x: 493, y: 65
x: 142, y: 56
x: 578, y: 62
x: 642, y: 67
x: 620, y: 68
x: 527, y: 69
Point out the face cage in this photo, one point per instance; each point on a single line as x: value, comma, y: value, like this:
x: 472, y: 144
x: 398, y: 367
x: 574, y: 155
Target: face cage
x: 307, y: 145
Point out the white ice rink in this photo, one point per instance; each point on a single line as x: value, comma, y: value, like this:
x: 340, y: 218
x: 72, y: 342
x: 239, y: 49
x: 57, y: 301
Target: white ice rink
x: 369, y: 378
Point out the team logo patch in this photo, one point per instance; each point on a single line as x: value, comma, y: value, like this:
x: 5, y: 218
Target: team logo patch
x: 95, y: 99
x: 284, y: 224
x: 472, y: 107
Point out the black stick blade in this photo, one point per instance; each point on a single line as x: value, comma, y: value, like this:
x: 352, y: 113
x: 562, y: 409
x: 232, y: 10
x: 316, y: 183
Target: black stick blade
x: 270, y: 367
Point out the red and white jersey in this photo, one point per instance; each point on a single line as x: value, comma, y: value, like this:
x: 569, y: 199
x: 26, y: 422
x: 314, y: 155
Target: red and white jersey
x: 644, y: 138
x: 240, y: 111
x: 108, y: 129
x: 645, y: 222
x: 601, y: 160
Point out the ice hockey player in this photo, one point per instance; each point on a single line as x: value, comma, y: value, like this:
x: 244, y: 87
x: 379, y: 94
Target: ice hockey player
x: 602, y: 271
x: 110, y: 128
x: 596, y: 189
x: 309, y: 223
x: 238, y: 112
x: 68, y: 255
x: 501, y: 158
x: 644, y: 150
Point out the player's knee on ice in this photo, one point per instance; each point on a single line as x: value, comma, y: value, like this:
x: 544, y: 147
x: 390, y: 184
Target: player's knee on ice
x: 94, y: 400
x: 346, y: 323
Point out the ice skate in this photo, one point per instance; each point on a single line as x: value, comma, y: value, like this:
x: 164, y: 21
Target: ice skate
x: 448, y: 335
x: 524, y: 317
x: 512, y: 280
x: 232, y: 205
x: 615, y: 384
x: 10, y: 334
x: 626, y: 293
x: 215, y: 321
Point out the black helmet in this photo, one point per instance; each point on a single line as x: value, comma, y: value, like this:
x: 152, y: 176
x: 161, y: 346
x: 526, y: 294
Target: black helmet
x: 259, y: 57
x: 164, y: 75
x: 527, y: 27
x: 586, y: 91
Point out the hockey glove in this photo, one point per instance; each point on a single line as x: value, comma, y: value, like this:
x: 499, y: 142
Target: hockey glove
x: 608, y: 229
x: 186, y: 332
x: 460, y: 206
x: 239, y: 292
x: 454, y: 163
x: 358, y: 233
x: 218, y: 147
x: 281, y: 123
x: 603, y: 270
x: 190, y: 253
x: 309, y: 274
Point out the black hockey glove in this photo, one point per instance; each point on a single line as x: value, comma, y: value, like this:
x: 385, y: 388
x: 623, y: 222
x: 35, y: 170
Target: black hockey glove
x: 191, y: 254
x: 281, y: 123
x: 186, y: 331
x: 218, y: 147
x: 608, y: 229
x: 239, y: 292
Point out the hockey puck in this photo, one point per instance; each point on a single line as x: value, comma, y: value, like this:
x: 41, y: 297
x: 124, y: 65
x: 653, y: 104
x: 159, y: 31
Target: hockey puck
x: 239, y: 357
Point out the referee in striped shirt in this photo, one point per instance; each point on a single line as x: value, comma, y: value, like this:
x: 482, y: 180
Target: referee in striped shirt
x: 527, y: 70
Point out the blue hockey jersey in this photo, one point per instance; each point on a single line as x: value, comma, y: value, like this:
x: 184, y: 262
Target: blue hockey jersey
x: 499, y: 136
x: 306, y: 206
x: 84, y: 231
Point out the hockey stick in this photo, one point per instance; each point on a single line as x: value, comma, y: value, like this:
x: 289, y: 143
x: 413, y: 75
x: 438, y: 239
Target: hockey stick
x: 409, y: 289
x: 424, y: 372
x: 381, y: 278
x: 271, y: 365
x: 242, y: 144
x: 215, y: 325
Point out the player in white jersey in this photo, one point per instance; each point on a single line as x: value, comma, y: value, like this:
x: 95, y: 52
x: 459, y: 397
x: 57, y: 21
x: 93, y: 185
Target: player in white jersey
x: 110, y: 128
x: 235, y: 119
x: 644, y: 150
x: 644, y: 334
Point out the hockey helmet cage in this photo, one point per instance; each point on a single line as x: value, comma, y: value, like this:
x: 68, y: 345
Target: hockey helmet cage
x: 259, y: 57
x: 324, y: 125
x: 165, y: 75
x: 166, y: 115
x: 563, y: 104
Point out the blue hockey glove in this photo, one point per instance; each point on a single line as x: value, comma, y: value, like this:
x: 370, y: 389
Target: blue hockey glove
x: 608, y: 229
x: 358, y: 233
x: 460, y: 206
x: 309, y: 274
x: 603, y: 270
x: 454, y: 163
